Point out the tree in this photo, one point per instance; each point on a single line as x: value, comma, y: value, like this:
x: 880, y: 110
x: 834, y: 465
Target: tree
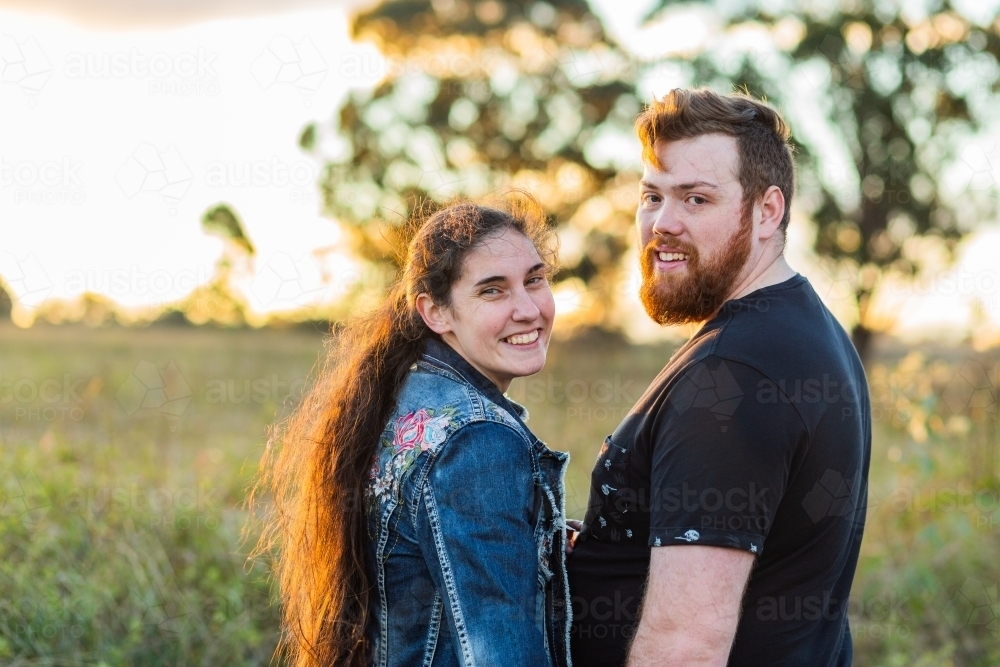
x: 6, y: 305
x: 904, y: 92
x: 217, y: 301
x: 482, y: 96
x: 486, y: 94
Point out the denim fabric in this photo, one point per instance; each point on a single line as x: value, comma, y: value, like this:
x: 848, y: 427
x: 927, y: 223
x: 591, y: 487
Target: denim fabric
x: 467, y: 527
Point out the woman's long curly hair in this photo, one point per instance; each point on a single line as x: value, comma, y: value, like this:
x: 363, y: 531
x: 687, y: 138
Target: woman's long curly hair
x: 317, y: 462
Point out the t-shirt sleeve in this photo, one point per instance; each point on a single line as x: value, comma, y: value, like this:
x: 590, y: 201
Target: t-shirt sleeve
x: 721, y: 455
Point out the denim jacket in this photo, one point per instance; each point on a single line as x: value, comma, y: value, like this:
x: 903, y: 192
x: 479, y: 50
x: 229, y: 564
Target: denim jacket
x: 467, y: 528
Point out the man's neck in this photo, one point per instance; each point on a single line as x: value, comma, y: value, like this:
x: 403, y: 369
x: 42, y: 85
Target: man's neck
x: 774, y: 272
x: 769, y: 270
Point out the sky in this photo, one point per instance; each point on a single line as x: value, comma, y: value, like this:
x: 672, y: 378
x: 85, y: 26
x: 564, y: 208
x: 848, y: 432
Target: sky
x: 115, y: 140
x: 123, y: 122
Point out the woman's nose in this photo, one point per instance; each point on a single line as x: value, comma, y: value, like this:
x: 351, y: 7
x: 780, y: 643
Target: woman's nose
x: 525, y: 308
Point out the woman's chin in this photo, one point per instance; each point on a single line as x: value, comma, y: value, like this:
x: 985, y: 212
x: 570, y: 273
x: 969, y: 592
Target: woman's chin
x: 527, y: 367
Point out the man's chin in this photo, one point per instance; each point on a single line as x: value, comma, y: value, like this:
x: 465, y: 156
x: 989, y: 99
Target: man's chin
x: 664, y: 310
x: 670, y: 319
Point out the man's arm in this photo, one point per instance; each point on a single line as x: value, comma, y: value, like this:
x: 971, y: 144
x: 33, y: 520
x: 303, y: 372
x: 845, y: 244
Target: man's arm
x: 691, y: 607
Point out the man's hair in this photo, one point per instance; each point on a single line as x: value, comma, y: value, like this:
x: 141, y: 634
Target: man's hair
x: 764, y: 154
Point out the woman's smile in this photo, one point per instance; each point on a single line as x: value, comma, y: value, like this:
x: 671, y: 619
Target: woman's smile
x: 522, y: 340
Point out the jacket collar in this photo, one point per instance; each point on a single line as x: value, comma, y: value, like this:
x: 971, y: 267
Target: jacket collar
x: 444, y: 356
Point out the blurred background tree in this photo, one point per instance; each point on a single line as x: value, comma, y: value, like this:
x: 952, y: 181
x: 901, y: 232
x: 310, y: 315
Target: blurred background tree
x: 217, y: 301
x: 904, y: 87
x: 6, y: 305
x: 883, y: 98
x: 482, y: 96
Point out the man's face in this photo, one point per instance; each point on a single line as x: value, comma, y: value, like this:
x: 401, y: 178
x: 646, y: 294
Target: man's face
x: 694, y: 237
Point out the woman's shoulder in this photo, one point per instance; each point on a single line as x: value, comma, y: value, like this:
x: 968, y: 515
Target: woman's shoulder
x: 425, y: 387
x: 428, y: 391
x: 431, y: 411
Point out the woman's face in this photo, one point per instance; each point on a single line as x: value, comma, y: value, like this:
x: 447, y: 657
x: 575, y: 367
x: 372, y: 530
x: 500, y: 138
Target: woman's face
x: 501, y: 311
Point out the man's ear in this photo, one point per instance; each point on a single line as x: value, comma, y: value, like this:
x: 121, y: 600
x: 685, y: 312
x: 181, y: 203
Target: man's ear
x: 772, y: 210
x: 435, y: 317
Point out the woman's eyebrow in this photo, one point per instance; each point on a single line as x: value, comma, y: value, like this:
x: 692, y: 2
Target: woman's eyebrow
x: 491, y: 279
x: 500, y: 279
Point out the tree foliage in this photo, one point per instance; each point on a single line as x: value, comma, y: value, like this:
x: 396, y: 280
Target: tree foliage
x: 480, y: 95
x: 903, y: 90
x: 483, y: 96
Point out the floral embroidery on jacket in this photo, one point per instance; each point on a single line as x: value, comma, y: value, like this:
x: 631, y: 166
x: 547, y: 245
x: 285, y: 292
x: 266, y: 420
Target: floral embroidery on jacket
x: 411, y: 435
x: 499, y: 414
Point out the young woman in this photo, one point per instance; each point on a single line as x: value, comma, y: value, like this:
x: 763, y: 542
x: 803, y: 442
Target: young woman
x: 419, y: 521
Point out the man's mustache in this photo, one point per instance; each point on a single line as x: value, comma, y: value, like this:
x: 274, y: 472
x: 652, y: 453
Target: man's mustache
x: 659, y: 245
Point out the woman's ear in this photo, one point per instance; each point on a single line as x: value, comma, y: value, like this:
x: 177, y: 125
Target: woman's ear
x: 435, y: 317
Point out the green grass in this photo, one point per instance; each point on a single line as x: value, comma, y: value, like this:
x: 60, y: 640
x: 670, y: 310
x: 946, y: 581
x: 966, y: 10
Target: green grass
x: 120, y: 519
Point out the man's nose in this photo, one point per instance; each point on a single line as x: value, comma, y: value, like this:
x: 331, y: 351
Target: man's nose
x: 667, y: 222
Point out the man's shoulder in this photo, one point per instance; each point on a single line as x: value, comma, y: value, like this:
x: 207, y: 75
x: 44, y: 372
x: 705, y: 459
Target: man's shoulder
x: 779, y: 348
x: 784, y: 330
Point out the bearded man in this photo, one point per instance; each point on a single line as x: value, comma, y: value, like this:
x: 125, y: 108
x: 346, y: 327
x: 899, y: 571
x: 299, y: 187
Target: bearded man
x: 726, y: 511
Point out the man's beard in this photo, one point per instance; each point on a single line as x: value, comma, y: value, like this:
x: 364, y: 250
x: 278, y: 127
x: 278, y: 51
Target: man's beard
x: 701, y: 290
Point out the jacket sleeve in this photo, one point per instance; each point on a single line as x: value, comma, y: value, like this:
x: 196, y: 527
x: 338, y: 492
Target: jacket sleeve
x: 475, y: 525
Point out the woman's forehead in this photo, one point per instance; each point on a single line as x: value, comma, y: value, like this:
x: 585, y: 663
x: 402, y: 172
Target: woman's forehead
x: 508, y: 252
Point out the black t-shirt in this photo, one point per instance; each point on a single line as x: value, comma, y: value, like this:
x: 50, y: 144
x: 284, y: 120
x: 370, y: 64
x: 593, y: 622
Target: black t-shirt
x: 755, y: 436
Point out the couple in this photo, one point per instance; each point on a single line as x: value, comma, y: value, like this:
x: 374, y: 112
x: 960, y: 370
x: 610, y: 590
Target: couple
x: 422, y: 523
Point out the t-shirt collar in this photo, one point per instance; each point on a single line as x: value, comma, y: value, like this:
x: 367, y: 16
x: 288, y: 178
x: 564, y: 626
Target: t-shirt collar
x: 746, y: 302
x: 736, y: 305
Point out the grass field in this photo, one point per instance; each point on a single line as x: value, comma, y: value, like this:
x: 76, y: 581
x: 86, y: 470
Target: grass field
x: 124, y: 455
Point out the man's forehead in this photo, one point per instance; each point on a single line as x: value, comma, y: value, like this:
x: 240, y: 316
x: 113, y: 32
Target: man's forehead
x: 710, y: 157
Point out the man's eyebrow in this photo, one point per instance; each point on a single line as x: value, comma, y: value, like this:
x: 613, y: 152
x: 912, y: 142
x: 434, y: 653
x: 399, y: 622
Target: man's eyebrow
x: 694, y: 184
x: 500, y: 279
x: 681, y: 186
